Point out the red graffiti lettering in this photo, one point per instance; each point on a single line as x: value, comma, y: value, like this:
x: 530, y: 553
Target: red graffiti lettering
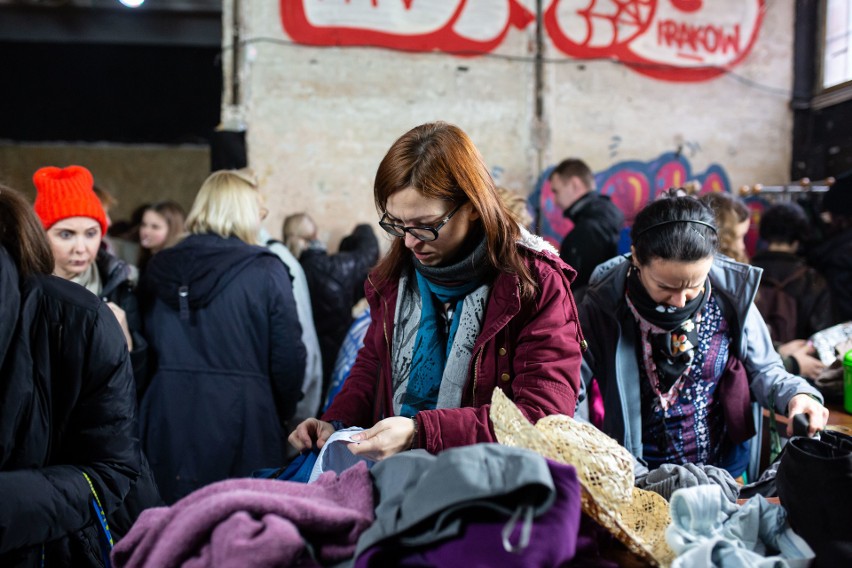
x: 674, y: 40
x: 461, y: 27
x: 707, y: 39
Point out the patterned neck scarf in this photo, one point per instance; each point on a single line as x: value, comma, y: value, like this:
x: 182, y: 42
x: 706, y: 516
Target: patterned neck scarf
x: 669, y: 336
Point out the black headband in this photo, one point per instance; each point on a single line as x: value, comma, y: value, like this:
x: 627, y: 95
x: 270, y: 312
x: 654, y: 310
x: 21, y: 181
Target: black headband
x: 669, y: 222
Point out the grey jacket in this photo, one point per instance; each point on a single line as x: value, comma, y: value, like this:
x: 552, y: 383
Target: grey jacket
x: 610, y: 331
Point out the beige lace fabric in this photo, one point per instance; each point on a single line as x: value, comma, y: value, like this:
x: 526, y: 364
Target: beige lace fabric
x: 635, y: 517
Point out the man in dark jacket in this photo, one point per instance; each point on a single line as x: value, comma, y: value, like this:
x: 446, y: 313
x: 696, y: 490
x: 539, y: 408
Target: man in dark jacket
x: 833, y: 257
x: 336, y: 283
x: 597, y: 221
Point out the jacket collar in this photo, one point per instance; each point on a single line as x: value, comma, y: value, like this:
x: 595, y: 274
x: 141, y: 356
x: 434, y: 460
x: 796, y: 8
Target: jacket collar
x: 113, y: 271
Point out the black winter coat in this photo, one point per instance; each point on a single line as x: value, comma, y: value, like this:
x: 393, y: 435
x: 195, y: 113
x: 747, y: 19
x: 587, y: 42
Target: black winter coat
x: 594, y: 238
x: 119, y: 288
x: 67, y: 406
x: 221, y: 323
x: 336, y: 283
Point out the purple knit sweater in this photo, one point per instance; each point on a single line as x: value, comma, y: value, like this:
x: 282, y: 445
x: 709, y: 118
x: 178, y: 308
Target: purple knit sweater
x: 254, y: 522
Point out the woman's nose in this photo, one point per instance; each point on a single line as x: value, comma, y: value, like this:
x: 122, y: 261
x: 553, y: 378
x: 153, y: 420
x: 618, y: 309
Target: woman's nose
x: 678, y: 300
x: 411, y: 241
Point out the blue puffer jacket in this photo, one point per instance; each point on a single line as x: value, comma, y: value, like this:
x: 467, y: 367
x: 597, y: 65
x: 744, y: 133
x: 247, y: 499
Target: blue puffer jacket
x: 221, y: 321
x: 609, y: 328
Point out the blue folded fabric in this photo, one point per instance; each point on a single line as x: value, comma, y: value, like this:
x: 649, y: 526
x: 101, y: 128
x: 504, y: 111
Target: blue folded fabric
x: 298, y: 470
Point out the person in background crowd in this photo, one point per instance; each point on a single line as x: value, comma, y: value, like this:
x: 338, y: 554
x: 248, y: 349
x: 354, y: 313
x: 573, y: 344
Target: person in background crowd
x: 162, y: 226
x: 787, y: 279
x: 732, y: 220
x: 75, y: 223
x: 352, y: 344
x: 464, y: 302
x: 124, y: 235
x: 597, y: 221
x: 67, y: 409
x: 223, y: 326
x: 678, y: 347
x: 335, y: 281
x: 312, y: 394
x: 517, y: 206
x: 833, y: 257
x: 108, y: 201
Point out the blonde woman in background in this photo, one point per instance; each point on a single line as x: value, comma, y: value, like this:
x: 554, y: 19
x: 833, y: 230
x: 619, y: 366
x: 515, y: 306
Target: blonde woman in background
x: 733, y: 220
x: 224, y: 328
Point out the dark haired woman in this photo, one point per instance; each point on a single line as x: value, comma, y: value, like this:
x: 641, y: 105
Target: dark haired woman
x: 463, y: 303
x: 68, y: 446
x: 678, y: 347
x: 163, y: 224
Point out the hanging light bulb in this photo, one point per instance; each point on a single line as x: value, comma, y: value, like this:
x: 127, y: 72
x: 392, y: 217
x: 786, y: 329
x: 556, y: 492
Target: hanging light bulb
x: 132, y: 3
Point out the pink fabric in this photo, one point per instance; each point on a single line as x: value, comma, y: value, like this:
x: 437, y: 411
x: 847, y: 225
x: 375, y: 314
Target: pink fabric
x: 596, y: 405
x: 531, y: 352
x: 254, y: 522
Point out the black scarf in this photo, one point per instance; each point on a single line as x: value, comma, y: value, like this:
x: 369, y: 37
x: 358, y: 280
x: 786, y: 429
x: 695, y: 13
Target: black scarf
x: 673, y: 349
x: 472, y: 265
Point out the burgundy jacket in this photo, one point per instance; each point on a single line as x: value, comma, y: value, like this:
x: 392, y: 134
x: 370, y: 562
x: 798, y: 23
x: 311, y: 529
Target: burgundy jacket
x: 531, y: 351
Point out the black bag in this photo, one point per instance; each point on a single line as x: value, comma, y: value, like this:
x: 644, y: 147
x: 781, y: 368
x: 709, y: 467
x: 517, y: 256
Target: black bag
x: 814, y: 483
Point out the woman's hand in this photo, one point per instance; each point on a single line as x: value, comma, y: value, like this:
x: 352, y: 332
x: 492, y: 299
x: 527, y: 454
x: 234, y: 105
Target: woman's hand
x: 803, y: 352
x: 310, y: 432
x: 804, y: 404
x: 122, y: 321
x: 388, y: 437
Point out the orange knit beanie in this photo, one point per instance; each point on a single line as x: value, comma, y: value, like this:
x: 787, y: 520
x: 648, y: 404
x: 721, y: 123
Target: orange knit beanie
x: 67, y: 192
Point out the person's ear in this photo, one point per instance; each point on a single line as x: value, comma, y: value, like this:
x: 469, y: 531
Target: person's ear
x: 633, y: 260
x: 473, y: 214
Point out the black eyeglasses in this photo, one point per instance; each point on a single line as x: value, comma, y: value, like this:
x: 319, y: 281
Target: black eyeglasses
x: 425, y: 234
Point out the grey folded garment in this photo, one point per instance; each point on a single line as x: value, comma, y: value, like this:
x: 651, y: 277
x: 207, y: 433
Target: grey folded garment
x: 669, y: 477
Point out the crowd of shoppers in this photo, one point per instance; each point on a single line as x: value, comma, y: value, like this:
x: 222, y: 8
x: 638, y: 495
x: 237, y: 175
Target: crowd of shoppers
x: 214, y: 355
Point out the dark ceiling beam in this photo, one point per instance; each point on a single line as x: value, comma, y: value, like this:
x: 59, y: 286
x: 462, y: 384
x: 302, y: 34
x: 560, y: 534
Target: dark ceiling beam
x: 67, y: 24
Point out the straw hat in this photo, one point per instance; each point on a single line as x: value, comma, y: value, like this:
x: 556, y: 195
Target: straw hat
x: 635, y: 517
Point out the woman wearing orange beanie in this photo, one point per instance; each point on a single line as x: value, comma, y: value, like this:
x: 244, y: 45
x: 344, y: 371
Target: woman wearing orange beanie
x: 75, y: 223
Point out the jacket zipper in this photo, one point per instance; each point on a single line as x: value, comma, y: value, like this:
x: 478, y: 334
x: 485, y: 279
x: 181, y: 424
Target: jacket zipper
x: 475, y: 375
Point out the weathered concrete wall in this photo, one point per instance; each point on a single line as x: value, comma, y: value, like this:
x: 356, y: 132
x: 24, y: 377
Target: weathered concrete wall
x: 133, y: 174
x: 319, y: 119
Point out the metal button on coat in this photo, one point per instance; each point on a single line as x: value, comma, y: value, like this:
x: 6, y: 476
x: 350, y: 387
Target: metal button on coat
x: 504, y: 377
x: 502, y: 351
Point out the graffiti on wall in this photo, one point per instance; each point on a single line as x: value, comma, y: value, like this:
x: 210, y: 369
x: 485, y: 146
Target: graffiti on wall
x: 453, y: 26
x: 630, y: 185
x: 674, y: 40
